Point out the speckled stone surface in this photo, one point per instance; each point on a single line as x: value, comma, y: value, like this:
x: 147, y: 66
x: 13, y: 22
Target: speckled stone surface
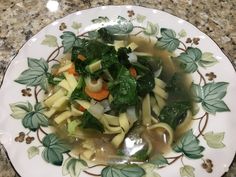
x: 21, y: 19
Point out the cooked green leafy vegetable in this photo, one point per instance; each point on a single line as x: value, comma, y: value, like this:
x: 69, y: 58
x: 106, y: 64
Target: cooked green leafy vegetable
x: 174, y: 113
x: 90, y: 122
x: 123, y: 90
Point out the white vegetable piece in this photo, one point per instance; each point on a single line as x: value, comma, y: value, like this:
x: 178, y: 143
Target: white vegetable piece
x: 132, y: 115
x: 94, y: 86
x: 132, y: 57
x: 96, y: 110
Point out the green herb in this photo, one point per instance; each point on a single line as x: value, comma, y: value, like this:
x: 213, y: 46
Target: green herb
x: 91, y: 122
x: 174, y: 113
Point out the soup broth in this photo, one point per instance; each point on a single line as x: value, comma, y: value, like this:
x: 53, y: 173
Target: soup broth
x: 140, y: 142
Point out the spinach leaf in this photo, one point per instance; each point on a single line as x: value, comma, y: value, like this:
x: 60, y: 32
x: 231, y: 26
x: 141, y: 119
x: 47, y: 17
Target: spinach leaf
x: 123, y: 90
x: 79, y: 93
x: 123, y: 57
x: 173, y: 114
x: 93, y: 50
x: 145, y: 83
x: 90, y: 122
x: 173, y: 84
x: 151, y: 63
x: 105, y: 35
x: 54, y: 80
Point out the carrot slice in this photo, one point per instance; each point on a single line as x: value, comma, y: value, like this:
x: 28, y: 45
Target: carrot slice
x: 133, y: 72
x: 102, y: 94
x: 81, y: 57
x: 72, y: 70
x: 81, y: 108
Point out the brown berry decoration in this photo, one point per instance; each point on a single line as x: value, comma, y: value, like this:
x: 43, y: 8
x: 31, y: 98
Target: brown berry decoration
x: 208, y: 166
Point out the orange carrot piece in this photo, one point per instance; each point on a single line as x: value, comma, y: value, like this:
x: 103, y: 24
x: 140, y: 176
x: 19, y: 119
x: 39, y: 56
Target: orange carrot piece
x: 81, y: 57
x: 72, y: 70
x: 133, y: 72
x: 102, y: 94
x: 81, y: 108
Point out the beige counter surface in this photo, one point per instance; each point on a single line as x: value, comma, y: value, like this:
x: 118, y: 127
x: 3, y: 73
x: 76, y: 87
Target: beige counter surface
x: 21, y: 19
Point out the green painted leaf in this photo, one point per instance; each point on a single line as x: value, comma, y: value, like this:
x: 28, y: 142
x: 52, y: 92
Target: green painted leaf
x: 188, y: 144
x: 214, y: 140
x: 168, y: 41
x: 149, y: 170
x: 32, y: 151
x: 35, y: 75
x: 73, y: 167
x: 140, y: 18
x: 69, y: 39
x: 20, y: 109
x: 76, y: 25
x: 190, y: 58
x: 198, y: 93
x: 50, y: 41
x: 33, y: 120
x: 207, y: 60
x: 100, y: 20
x: 187, y: 171
x: 213, y: 94
x: 123, y: 170
x: 182, y: 33
x: 151, y: 29
x: 54, y: 148
x: 121, y: 27
x: 158, y: 160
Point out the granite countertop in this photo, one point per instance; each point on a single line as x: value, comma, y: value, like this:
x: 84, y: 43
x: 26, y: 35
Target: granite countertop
x: 21, y: 19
